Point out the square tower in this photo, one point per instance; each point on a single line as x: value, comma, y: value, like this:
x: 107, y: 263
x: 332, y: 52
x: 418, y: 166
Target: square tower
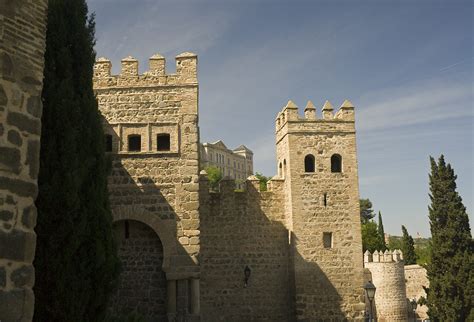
x: 152, y: 137
x: 318, y: 162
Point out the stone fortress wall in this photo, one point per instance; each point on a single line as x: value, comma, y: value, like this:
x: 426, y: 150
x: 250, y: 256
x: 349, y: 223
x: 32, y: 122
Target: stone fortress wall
x: 239, y: 230
x: 415, y: 281
x: 388, y: 276
x: 22, y: 45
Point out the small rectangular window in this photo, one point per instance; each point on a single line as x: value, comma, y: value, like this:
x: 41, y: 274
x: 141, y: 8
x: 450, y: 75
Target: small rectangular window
x: 134, y: 142
x: 163, y: 142
x: 327, y: 240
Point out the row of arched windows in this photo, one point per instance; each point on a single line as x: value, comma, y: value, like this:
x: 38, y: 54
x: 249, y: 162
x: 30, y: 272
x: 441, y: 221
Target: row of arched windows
x: 134, y: 142
x: 310, y: 164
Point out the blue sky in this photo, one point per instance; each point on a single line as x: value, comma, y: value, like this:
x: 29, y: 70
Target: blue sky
x: 406, y: 65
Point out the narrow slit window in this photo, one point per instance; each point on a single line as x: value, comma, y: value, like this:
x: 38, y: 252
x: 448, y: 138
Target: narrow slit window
x: 108, y: 143
x: 134, y: 142
x: 325, y: 200
x: 327, y: 240
x: 309, y: 163
x: 336, y: 163
x: 163, y: 142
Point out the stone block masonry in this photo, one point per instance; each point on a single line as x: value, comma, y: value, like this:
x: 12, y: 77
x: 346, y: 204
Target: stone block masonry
x: 415, y: 280
x: 22, y: 45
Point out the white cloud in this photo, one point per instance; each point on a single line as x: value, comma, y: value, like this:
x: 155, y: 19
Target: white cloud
x: 414, y: 104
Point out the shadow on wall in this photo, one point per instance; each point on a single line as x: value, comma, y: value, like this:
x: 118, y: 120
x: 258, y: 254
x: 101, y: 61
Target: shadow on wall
x: 245, y: 229
x: 156, y: 269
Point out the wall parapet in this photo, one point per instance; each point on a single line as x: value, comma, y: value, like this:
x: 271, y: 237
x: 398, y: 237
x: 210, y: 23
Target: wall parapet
x: 186, y: 72
x: 383, y: 257
x: 290, y: 114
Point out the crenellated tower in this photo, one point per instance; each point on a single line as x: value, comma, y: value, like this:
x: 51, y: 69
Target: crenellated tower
x: 152, y: 136
x: 317, y: 160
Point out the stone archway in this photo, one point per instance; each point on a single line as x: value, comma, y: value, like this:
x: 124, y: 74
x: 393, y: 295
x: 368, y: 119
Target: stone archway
x: 165, y: 229
x: 142, y: 287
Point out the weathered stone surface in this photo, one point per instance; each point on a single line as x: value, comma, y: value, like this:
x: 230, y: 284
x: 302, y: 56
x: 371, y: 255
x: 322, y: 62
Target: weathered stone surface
x: 16, y: 305
x: 32, y: 157
x: 29, y: 217
x: 24, y: 123
x: 23, y: 276
x: 22, y: 45
x: 416, y: 280
x: 22, y: 188
x: 33, y: 106
x: 6, y: 215
x: 10, y: 159
x: 14, y: 137
x: 17, y: 245
x: 3, y: 96
x: 142, y: 285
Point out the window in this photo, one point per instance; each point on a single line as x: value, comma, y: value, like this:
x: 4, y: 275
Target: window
x: 108, y: 143
x: 163, y: 142
x: 336, y: 163
x: 280, y: 170
x: 325, y: 199
x: 327, y: 240
x: 309, y: 163
x: 211, y: 156
x: 134, y: 142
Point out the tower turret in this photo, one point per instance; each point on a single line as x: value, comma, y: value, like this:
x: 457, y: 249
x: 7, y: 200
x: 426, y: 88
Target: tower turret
x: 317, y: 159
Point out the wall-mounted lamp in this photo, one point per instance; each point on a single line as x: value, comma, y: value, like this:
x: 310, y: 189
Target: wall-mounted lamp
x: 247, y: 272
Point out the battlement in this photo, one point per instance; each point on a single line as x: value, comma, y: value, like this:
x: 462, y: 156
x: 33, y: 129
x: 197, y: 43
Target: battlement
x: 186, y: 72
x: 227, y: 185
x: 289, y: 114
x: 383, y: 257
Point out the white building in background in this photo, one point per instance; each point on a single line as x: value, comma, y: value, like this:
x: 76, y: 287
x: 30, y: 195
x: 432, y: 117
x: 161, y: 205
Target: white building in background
x: 237, y: 163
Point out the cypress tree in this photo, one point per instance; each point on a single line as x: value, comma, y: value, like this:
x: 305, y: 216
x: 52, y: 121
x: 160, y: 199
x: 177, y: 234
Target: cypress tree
x: 76, y: 262
x: 450, y: 273
x: 381, y: 234
x: 408, y: 248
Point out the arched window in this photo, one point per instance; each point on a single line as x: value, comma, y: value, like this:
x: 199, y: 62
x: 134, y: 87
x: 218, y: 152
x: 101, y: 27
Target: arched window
x: 336, y: 163
x: 309, y: 163
x: 134, y: 142
x: 163, y: 142
x: 280, y: 170
x: 108, y: 143
x: 284, y: 168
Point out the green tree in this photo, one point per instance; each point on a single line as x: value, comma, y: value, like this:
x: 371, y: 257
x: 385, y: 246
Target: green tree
x: 451, y: 271
x: 394, y: 242
x: 370, y: 238
x: 408, y: 248
x: 423, y: 254
x: 263, y: 181
x: 381, y: 234
x: 366, y: 211
x: 76, y: 260
x: 214, y: 174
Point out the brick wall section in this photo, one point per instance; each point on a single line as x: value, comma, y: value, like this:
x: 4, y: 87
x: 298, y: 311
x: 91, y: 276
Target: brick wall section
x: 416, y: 279
x: 328, y: 281
x: 22, y: 45
x: 240, y: 229
x: 142, y: 286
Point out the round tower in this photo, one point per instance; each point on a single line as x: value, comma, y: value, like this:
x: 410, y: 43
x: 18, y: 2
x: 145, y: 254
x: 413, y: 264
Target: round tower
x: 388, y: 276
